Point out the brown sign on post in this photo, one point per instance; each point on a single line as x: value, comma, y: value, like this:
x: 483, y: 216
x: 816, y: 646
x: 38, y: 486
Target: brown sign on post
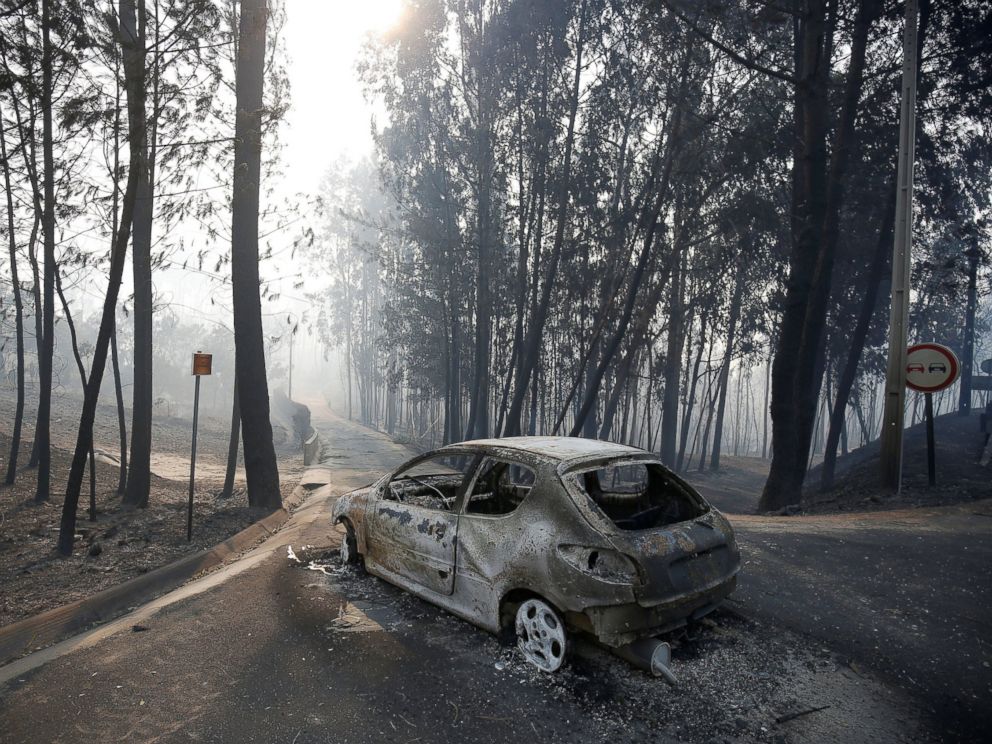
x: 202, y: 363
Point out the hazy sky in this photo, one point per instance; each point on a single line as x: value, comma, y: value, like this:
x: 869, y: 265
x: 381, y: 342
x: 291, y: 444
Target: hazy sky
x: 328, y: 116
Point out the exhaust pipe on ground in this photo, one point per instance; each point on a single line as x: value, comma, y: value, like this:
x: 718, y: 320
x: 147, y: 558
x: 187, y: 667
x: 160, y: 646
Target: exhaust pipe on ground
x: 651, y: 655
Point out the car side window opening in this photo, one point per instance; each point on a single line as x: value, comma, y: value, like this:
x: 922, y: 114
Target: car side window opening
x: 639, y: 496
x: 433, y: 483
x: 499, y: 488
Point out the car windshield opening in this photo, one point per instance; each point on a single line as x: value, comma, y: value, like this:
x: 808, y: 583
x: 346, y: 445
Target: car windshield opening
x: 432, y: 483
x: 638, y: 496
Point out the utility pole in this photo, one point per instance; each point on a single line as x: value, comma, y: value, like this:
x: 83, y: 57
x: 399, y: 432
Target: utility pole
x: 290, y: 365
x: 895, y: 379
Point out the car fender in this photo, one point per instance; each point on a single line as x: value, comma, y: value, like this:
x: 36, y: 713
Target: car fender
x: 353, y: 507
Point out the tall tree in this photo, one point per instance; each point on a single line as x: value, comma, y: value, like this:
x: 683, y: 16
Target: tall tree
x: 139, y: 461
x: 15, y: 439
x: 42, y: 434
x: 134, y: 75
x: 253, y: 393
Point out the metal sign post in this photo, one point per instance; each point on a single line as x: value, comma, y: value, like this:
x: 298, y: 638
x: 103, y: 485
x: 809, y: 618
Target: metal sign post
x: 929, y: 368
x: 201, y: 366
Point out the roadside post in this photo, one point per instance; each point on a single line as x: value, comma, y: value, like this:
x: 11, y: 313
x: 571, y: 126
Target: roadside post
x: 202, y: 364
x: 902, y: 262
x: 929, y: 369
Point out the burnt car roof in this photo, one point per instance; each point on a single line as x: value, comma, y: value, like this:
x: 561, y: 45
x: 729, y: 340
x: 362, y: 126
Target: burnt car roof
x: 557, y: 449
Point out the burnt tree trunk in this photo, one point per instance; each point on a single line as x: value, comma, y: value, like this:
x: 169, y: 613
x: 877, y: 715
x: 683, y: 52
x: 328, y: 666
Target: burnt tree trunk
x: 42, y: 437
x: 233, y: 444
x: 691, y: 398
x: 857, y: 341
x: 673, y: 365
x: 261, y: 470
x: 133, y: 76
x: 798, y: 369
x: 532, y: 346
x: 139, y: 473
x: 15, y: 438
x: 728, y: 355
x: 121, y: 415
x: 82, y: 379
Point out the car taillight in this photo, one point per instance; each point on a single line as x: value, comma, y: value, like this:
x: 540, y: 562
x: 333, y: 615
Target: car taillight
x: 603, y: 564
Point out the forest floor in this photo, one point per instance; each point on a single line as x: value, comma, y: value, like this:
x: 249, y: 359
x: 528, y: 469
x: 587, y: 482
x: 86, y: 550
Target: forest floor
x: 123, y: 542
x: 961, y: 478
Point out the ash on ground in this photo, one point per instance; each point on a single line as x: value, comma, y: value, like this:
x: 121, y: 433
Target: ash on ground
x: 739, y: 680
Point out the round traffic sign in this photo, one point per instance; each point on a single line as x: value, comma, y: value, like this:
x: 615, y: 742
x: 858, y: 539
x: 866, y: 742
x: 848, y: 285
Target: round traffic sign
x: 930, y: 367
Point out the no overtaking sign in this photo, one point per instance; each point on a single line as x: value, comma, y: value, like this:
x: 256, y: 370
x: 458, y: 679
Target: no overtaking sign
x: 930, y: 367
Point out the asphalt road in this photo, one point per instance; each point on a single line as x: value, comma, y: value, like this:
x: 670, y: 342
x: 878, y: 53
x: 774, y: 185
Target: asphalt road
x: 886, y: 625
x: 908, y: 594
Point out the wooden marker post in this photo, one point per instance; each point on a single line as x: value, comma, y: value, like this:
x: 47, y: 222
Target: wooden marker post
x: 202, y: 364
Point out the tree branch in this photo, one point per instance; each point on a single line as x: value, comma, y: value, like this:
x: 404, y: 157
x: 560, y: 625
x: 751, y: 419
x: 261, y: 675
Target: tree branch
x: 736, y: 56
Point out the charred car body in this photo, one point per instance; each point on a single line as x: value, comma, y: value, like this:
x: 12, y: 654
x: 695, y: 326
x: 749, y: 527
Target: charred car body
x: 546, y: 535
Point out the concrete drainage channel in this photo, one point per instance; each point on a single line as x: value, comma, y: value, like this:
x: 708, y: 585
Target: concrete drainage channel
x: 46, y: 628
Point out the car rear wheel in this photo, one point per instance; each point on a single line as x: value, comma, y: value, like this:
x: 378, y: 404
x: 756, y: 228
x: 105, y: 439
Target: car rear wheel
x: 349, y: 546
x: 541, y: 635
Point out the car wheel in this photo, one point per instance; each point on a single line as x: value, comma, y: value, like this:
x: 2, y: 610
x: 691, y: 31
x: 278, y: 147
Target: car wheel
x: 541, y: 635
x: 349, y: 546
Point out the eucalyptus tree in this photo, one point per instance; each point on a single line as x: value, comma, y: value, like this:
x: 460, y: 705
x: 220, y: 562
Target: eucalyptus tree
x: 130, y: 40
x: 261, y: 470
x: 39, y: 89
x: 15, y: 439
x: 180, y: 76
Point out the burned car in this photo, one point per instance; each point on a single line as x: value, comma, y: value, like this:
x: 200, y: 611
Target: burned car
x: 547, y: 536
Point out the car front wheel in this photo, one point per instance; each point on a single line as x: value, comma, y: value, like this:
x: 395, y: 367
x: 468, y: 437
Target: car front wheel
x: 349, y: 546
x: 541, y: 635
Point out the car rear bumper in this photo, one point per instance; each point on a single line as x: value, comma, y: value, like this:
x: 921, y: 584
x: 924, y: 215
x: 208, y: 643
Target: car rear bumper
x: 617, y: 625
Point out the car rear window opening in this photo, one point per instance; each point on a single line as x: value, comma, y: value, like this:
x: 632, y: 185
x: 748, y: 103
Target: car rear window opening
x: 638, y: 496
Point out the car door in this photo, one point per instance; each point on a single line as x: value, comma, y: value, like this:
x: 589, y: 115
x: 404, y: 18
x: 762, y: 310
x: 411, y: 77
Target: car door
x: 415, y: 522
x: 489, y: 530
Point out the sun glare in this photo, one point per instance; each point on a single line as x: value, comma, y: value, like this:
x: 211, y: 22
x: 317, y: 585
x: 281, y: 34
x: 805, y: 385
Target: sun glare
x: 377, y: 16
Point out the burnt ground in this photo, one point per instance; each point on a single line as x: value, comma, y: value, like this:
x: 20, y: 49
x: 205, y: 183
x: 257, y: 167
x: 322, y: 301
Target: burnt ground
x: 961, y: 478
x: 123, y: 542
x: 739, y: 680
x: 905, y: 593
x: 273, y: 652
x: 845, y: 628
x: 895, y: 584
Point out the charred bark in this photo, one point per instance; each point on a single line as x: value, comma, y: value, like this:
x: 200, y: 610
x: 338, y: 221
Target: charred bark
x: 15, y: 438
x: 233, y: 444
x: 259, y: 453
x: 42, y: 435
x: 857, y: 341
x: 133, y: 64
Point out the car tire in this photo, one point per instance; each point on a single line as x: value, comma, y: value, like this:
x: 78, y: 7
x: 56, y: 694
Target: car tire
x: 349, y: 546
x: 541, y: 634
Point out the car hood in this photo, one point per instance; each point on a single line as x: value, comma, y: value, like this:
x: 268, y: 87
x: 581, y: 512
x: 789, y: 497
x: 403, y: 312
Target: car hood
x: 346, y: 501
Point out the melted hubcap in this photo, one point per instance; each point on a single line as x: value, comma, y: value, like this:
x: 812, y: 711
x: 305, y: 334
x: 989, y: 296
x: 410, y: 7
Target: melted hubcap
x: 540, y: 635
x: 345, y: 550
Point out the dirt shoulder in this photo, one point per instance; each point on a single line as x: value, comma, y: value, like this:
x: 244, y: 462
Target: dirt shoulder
x: 123, y: 542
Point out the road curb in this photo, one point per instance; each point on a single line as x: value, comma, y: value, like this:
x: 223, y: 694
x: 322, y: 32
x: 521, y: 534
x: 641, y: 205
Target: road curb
x: 55, y: 625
